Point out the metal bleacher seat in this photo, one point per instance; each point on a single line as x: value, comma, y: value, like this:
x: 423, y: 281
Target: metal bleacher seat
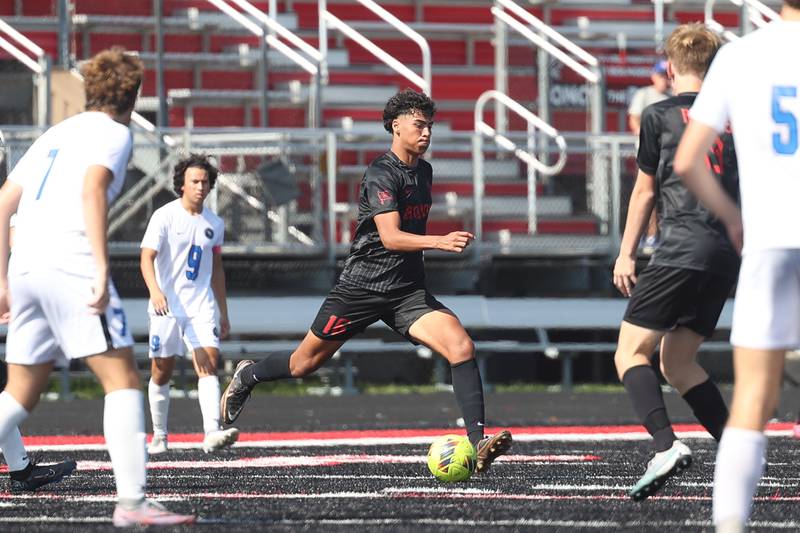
x: 257, y: 321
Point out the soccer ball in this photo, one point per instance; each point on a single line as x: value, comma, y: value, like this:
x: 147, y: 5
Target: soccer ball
x: 452, y: 458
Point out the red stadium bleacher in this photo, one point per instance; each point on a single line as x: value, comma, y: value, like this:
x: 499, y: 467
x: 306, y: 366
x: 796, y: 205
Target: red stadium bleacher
x: 462, y: 70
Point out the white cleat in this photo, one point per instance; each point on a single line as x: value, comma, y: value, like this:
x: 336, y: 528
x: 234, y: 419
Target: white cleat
x: 661, y: 467
x: 731, y: 525
x: 148, y: 513
x: 219, y: 439
x: 158, y: 445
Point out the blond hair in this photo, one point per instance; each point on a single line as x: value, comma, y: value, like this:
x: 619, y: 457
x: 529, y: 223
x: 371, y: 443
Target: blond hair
x: 691, y: 48
x: 111, y: 81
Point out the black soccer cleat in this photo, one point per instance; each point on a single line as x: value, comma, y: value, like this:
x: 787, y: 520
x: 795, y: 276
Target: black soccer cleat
x: 35, y: 476
x: 492, y: 447
x: 235, y: 396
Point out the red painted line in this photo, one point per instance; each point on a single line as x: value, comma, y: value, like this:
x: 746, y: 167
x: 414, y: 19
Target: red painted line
x: 380, y: 433
x: 455, y: 495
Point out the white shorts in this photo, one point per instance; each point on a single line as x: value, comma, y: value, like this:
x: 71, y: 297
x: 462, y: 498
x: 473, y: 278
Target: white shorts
x: 766, y: 312
x: 169, y: 335
x: 51, y: 321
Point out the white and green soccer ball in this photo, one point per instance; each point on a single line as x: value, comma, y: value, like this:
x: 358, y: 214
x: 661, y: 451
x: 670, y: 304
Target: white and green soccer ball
x: 452, y: 458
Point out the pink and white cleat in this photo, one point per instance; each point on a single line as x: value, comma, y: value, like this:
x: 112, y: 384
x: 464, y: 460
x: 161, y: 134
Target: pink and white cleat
x: 796, y: 432
x: 149, y: 513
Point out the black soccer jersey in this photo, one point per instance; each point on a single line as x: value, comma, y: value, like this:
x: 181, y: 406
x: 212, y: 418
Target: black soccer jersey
x: 389, y: 185
x: 691, y: 237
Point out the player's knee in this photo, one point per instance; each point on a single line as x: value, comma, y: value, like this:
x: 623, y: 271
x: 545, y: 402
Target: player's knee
x: 461, y: 351
x: 622, y: 362
x: 161, y: 371
x: 302, y: 367
x: 207, y: 366
x: 678, y: 373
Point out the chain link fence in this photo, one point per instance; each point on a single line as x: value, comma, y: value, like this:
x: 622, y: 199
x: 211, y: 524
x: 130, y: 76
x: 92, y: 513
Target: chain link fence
x: 273, y: 190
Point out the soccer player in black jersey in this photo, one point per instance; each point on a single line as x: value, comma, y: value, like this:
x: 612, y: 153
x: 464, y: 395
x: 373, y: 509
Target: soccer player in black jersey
x: 384, y: 279
x: 677, y: 299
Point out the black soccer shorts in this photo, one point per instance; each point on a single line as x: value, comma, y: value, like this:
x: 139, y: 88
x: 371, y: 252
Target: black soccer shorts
x: 348, y: 311
x: 665, y: 298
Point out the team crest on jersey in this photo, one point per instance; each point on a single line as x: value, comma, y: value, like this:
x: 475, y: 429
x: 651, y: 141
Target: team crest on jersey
x: 215, y: 331
x: 209, y: 233
x: 155, y: 343
x: 384, y: 196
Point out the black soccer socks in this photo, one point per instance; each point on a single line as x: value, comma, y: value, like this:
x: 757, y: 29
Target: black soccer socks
x: 468, y: 388
x: 708, y: 407
x: 274, y: 366
x: 644, y: 390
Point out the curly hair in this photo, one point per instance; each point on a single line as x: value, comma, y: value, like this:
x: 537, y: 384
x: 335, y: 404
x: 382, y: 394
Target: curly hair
x: 691, y: 48
x: 193, y: 161
x: 405, y: 102
x: 111, y: 81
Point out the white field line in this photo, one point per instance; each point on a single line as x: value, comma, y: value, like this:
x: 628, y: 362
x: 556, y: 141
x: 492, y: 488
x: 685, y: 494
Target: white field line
x: 422, y: 440
x: 389, y: 493
x: 325, y: 460
x: 521, y: 522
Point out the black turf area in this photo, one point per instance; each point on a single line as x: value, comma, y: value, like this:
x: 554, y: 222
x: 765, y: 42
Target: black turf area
x: 527, y: 493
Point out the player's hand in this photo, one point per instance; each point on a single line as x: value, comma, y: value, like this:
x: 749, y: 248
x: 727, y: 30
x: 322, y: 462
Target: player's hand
x: 224, y: 328
x: 5, y: 305
x: 99, y: 300
x: 455, y: 241
x: 736, y: 234
x: 159, y: 302
x: 625, y: 274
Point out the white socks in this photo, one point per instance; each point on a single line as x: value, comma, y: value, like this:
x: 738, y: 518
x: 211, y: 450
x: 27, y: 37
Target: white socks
x: 158, y: 396
x: 14, y: 451
x: 740, y: 463
x: 208, y: 394
x: 123, y: 427
x: 12, y: 415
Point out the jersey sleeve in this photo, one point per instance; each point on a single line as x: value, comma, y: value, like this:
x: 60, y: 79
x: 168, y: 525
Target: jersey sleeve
x: 113, y: 150
x: 637, y: 103
x: 31, y: 166
x: 381, y: 188
x: 155, y: 233
x: 649, y: 153
x: 217, y: 247
x: 711, y: 107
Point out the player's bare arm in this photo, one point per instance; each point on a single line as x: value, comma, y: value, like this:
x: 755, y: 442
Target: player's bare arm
x: 95, y: 214
x: 641, y: 205
x: 10, y: 195
x: 690, y: 165
x: 147, y: 266
x: 220, y: 294
x: 397, y: 240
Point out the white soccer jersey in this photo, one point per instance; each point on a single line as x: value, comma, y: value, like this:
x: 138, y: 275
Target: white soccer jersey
x: 755, y: 84
x: 185, y: 244
x: 50, y: 227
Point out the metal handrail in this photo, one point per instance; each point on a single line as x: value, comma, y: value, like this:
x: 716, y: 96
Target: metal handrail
x: 580, y: 61
x: 550, y: 33
x: 274, y: 42
x: 26, y: 43
x: 267, y: 30
x: 326, y: 19
x: 508, y: 144
x: 527, y: 155
x: 282, y: 31
x: 40, y: 67
x: 754, y: 13
x: 549, y: 43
